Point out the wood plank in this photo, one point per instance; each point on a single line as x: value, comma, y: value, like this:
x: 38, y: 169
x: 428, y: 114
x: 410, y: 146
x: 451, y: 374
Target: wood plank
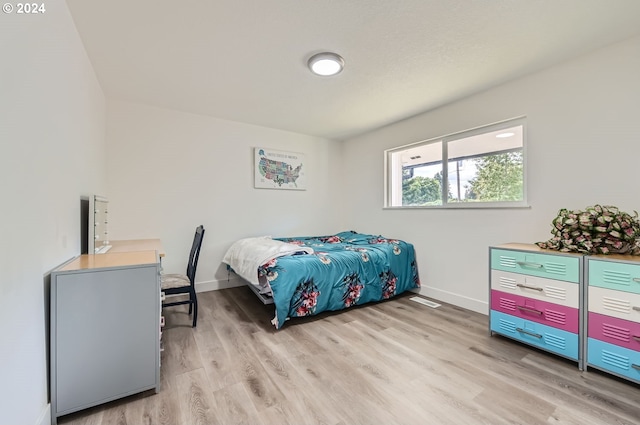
x: 393, y: 362
x: 196, y: 400
x: 181, y: 352
x: 233, y: 406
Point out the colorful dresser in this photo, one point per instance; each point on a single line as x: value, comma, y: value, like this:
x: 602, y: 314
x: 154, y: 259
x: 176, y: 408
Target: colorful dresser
x: 613, y: 316
x: 535, y: 298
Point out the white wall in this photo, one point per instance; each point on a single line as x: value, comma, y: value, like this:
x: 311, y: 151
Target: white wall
x: 52, y: 124
x: 583, y: 147
x: 170, y: 171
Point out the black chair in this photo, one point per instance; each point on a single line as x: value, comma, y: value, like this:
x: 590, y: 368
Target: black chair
x: 174, y: 284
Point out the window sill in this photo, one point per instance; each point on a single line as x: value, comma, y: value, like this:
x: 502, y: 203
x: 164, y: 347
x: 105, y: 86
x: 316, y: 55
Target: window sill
x: 462, y: 207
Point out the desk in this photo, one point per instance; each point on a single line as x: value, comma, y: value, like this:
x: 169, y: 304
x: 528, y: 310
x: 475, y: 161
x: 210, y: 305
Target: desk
x: 129, y: 245
x: 110, y: 259
x: 105, y: 326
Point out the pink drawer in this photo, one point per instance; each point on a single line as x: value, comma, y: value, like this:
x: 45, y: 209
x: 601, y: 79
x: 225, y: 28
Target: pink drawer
x: 622, y: 333
x: 550, y: 314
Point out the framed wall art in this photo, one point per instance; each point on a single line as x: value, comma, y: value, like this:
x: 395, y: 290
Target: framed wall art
x: 275, y: 169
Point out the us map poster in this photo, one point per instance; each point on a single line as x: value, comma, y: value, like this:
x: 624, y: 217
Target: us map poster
x: 279, y: 170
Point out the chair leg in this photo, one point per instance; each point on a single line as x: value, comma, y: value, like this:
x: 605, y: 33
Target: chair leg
x: 195, y: 310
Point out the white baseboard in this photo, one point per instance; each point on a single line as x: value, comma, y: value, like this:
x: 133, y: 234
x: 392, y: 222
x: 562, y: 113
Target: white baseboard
x: 455, y: 299
x: 45, y: 416
x: 213, y: 285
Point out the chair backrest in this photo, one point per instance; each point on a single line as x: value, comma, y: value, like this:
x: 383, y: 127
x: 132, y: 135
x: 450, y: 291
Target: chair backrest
x: 195, y: 254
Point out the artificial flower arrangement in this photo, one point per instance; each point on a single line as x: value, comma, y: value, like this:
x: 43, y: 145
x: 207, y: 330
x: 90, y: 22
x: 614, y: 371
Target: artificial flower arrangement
x: 596, y: 230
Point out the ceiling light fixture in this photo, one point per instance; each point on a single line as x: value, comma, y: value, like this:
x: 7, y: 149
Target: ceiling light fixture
x: 504, y: 135
x: 326, y: 64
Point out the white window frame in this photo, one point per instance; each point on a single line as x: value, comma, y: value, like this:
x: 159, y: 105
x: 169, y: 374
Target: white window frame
x: 394, y: 179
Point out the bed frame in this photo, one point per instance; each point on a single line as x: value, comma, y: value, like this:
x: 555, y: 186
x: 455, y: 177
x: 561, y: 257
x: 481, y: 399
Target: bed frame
x: 265, y: 298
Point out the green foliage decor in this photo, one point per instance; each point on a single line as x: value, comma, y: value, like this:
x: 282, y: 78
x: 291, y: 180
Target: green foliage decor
x: 596, y: 230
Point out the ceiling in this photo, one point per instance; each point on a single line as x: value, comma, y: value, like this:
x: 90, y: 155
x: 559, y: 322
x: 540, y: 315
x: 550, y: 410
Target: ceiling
x: 245, y: 60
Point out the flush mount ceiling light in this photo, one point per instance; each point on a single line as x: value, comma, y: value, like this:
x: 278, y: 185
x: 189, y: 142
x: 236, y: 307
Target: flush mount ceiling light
x: 326, y: 64
x: 505, y: 135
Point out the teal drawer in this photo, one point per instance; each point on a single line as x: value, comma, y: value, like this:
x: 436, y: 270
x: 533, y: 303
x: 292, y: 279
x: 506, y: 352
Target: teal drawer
x: 559, y: 267
x: 614, y: 275
x: 619, y: 360
x: 555, y: 340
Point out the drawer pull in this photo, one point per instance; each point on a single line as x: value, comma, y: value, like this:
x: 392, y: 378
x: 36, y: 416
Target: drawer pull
x: 636, y: 308
x: 530, y: 310
x: 636, y: 337
x: 535, y: 288
x: 528, y: 264
x: 524, y: 331
x: 636, y: 279
x: 636, y: 366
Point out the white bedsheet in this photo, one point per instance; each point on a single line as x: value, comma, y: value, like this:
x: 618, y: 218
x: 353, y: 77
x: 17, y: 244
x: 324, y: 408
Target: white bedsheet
x: 246, y: 255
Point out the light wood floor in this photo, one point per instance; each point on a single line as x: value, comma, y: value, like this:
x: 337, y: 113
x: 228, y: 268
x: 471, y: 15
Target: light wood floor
x: 394, y: 362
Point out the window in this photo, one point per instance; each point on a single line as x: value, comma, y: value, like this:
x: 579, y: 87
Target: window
x: 483, y: 167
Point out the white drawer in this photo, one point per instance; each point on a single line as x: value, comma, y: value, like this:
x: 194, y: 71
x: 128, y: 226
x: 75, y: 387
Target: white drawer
x: 539, y: 288
x: 620, y: 304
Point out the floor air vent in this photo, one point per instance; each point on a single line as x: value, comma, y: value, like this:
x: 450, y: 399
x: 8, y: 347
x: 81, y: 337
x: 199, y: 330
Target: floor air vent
x: 425, y: 302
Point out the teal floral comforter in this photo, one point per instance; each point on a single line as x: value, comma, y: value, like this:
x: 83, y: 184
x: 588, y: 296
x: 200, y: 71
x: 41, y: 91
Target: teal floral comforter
x: 345, y: 269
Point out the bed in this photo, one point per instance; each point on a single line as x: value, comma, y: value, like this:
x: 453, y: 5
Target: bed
x: 303, y: 276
